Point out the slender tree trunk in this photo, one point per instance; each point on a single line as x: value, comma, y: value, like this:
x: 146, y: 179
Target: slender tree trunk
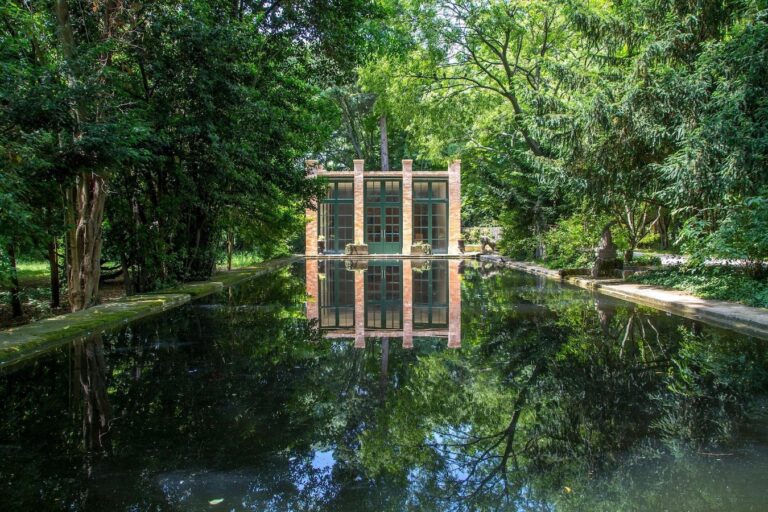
x: 15, y: 299
x: 87, y: 212
x: 127, y: 284
x: 53, y: 260
x: 384, y: 143
x: 230, y: 247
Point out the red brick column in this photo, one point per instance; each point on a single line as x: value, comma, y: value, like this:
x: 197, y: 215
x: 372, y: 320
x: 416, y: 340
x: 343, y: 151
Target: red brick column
x: 359, y: 202
x: 407, y: 303
x: 313, y: 306
x: 310, y: 237
x: 454, y: 206
x: 454, y: 304
x: 359, y: 309
x: 407, y: 206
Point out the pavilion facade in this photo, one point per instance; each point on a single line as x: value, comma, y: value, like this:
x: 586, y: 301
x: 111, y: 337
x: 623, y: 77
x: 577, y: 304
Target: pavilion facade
x: 386, y: 212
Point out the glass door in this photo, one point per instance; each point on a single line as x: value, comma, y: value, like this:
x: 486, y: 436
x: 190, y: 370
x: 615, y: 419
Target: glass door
x: 430, y: 214
x: 430, y: 295
x: 383, y: 216
x: 336, y: 298
x: 337, y: 212
x: 384, y: 295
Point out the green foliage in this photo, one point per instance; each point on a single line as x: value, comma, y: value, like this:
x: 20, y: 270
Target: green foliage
x: 567, y: 245
x: 710, y: 282
x: 571, y: 243
x: 197, y: 114
x: 741, y: 235
x: 645, y: 260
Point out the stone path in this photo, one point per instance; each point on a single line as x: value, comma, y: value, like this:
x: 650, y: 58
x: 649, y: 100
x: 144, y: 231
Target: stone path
x: 729, y: 315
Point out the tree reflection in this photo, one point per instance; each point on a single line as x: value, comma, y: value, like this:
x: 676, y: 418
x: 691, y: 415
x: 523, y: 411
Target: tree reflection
x: 90, y: 372
x: 240, y: 397
x: 549, y: 398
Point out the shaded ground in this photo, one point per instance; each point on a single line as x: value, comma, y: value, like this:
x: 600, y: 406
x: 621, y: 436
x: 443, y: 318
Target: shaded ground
x: 36, y: 300
x: 34, y: 279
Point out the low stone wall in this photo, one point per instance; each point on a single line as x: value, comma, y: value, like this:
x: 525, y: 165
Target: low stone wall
x: 728, y: 315
x: 32, y: 339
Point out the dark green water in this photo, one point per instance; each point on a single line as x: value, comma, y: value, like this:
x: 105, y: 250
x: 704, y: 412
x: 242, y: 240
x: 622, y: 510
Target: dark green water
x: 552, y: 399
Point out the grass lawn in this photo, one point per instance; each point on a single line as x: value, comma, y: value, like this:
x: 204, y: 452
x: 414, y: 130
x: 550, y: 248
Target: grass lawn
x: 721, y: 283
x: 33, y: 272
x: 240, y: 259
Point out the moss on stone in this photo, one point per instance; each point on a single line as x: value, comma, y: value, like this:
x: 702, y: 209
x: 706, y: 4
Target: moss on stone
x: 194, y: 289
x: 29, y: 340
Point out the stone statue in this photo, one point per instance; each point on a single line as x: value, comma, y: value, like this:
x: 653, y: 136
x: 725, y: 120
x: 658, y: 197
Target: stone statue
x: 605, y: 254
x: 487, y: 242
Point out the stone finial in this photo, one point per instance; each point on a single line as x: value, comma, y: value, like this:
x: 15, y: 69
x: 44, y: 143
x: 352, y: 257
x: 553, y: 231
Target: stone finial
x: 359, y: 165
x: 407, y: 165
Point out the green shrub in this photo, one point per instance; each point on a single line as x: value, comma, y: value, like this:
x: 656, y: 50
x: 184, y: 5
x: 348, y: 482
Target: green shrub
x: 646, y: 261
x: 571, y: 243
x: 721, y: 283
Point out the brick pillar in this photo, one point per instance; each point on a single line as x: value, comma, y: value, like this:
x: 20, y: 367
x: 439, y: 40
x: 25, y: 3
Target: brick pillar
x: 313, y: 306
x: 359, y: 202
x: 407, y: 304
x: 359, y: 309
x: 454, y: 304
x: 454, y: 206
x: 407, y: 206
x: 310, y: 238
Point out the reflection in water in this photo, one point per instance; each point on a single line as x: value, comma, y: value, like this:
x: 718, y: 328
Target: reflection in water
x: 558, y: 400
x: 90, y: 372
x: 389, y: 298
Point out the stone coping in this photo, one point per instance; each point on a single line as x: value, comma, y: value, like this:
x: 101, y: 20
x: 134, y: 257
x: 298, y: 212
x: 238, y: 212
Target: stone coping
x: 30, y: 340
x: 463, y: 256
x: 733, y: 316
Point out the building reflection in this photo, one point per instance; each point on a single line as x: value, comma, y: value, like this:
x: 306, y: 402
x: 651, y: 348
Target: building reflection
x: 392, y: 298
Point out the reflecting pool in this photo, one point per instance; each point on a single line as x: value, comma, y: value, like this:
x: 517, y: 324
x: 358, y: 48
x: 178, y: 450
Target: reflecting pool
x: 392, y: 385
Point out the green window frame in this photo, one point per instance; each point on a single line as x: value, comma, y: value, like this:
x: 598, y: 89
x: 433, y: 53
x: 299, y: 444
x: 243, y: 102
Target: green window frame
x: 336, y: 295
x: 384, y: 295
x: 337, y: 216
x: 430, y: 214
x: 384, y: 216
x: 430, y: 295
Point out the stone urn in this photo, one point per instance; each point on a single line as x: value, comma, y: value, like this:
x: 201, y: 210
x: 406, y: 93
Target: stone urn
x: 356, y: 250
x: 421, y: 249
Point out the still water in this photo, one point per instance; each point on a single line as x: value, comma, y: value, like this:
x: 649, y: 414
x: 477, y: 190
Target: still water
x: 386, y: 386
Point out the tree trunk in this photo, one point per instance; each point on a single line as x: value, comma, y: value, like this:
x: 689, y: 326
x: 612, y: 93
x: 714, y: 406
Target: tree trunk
x: 663, y: 230
x: 53, y: 260
x: 86, y: 215
x: 230, y: 247
x: 15, y: 299
x: 85, y: 201
x: 629, y: 254
x: 384, y: 143
x: 127, y: 284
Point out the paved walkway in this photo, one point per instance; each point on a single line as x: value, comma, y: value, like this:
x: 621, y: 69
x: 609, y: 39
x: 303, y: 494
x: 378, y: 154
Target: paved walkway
x: 728, y: 315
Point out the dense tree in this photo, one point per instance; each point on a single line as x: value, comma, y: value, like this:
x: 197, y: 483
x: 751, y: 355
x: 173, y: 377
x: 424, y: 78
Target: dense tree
x: 152, y: 121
